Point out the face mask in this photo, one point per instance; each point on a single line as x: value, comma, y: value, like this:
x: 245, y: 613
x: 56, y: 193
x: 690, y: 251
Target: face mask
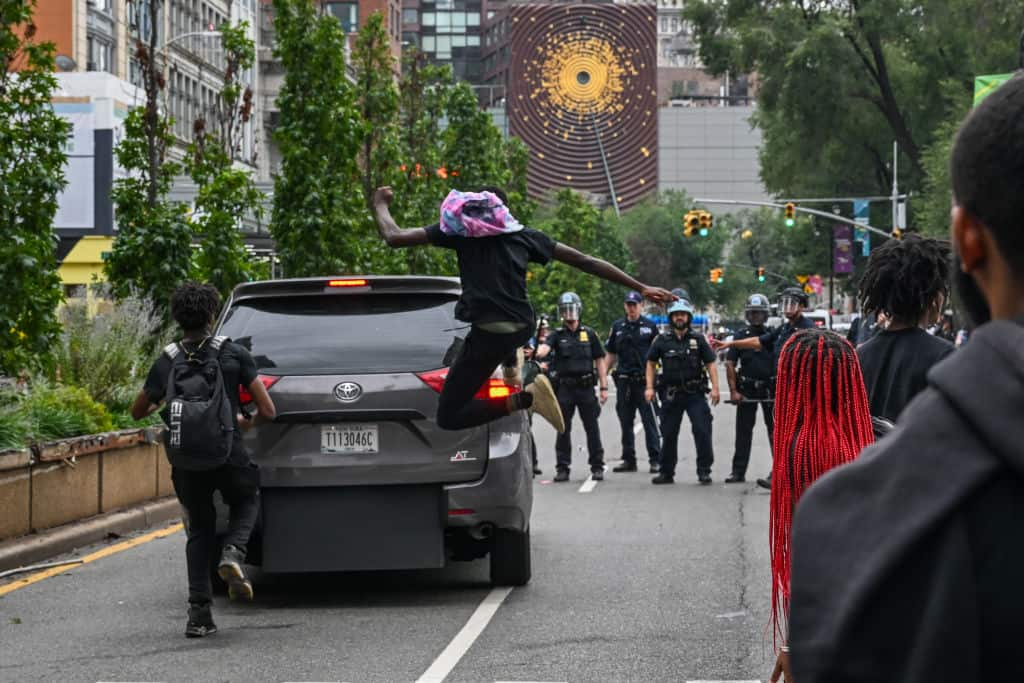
x: 970, y: 295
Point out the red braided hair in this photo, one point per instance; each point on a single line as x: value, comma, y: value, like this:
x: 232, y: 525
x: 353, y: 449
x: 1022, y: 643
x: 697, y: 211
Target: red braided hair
x: 821, y: 421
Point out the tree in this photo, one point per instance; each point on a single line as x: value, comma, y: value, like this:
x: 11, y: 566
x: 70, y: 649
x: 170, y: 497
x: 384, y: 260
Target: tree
x: 576, y: 222
x: 319, y: 216
x: 153, y: 251
x: 226, y: 193
x: 32, y: 158
x: 839, y: 81
x: 377, y: 96
x: 653, y: 231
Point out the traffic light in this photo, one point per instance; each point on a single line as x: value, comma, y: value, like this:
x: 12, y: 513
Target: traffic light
x: 760, y: 273
x: 715, y: 276
x: 706, y: 223
x: 691, y: 221
x: 790, y: 214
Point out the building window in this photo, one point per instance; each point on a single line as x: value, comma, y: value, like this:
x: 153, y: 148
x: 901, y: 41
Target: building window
x: 472, y: 41
x: 664, y: 25
x: 410, y: 16
x: 99, y: 54
x: 472, y: 19
x: 675, y: 25
x: 411, y: 38
x: 429, y: 43
x: 75, y: 291
x: 347, y: 13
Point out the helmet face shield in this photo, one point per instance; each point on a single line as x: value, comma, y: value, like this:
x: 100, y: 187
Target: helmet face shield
x: 789, y: 305
x: 569, y: 311
x: 680, y: 319
x: 756, y: 317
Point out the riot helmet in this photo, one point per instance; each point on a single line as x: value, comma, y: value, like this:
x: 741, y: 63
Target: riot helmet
x: 791, y: 300
x: 680, y: 306
x: 681, y: 293
x: 757, y: 310
x: 569, y: 306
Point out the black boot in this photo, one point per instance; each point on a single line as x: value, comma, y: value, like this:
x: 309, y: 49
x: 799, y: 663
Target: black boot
x: 626, y: 466
x: 200, y: 621
x: 663, y: 479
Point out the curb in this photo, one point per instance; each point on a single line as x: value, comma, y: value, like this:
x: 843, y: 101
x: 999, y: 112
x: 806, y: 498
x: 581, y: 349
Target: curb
x: 19, y: 552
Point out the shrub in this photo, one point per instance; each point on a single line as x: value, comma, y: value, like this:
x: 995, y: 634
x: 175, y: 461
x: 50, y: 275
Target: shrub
x: 107, y: 354
x: 57, y: 411
x: 14, y: 428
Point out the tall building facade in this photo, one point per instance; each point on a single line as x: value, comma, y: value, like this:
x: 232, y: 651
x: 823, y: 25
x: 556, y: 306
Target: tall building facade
x: 448, y: 32
x: 582, y: 96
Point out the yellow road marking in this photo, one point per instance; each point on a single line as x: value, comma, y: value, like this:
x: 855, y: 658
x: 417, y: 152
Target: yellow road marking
x: 92, y: 557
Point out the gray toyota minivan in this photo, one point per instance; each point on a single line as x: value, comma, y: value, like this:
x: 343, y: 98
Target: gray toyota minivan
x: 355, y: 473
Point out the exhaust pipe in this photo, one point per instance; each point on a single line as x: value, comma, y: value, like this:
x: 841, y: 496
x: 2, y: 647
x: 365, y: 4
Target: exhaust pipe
x: 482, y: 531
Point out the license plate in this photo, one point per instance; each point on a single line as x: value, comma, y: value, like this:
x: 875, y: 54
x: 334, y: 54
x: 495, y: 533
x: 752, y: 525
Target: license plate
x: 350, y: 438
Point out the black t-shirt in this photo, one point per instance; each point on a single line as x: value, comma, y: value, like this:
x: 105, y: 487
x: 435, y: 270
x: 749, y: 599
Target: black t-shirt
x: 774, y: 340
x: 238, y: 368
x: 752, y: 364
x: 493, y: 271
x: 895, y: 364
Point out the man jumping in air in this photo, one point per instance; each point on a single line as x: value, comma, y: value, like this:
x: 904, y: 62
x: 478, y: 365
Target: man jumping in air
x: 493, y: 252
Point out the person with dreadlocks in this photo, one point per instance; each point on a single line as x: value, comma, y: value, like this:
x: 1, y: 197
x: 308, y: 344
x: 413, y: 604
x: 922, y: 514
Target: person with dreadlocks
x: 906, y: 563
x: 821, y: 422
x: 908, y: 281
x: 195, y: 308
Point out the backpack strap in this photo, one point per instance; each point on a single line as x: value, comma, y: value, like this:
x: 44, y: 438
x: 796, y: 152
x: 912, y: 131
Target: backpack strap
x: 172, y: 350
x: 218, y: 342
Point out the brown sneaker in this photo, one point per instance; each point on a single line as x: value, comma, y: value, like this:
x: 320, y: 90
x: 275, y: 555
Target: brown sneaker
x: 545, y: 403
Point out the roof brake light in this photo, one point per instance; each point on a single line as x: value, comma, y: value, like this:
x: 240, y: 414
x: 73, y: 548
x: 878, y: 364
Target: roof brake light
x: 347, y: 283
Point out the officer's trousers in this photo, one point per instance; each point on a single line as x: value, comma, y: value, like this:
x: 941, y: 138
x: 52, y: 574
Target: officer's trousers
x: 746, y: 417
x: 571, y: 397
x: 629, y: 398
x: 696, y: 406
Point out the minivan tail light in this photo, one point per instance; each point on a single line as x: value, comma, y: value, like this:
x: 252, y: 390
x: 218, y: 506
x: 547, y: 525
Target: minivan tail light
x: 243, y: 393
x: 349, y: 282
x: 494, y: 388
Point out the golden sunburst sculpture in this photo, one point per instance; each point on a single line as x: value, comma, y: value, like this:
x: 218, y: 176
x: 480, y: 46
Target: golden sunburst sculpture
x: 584, y: 77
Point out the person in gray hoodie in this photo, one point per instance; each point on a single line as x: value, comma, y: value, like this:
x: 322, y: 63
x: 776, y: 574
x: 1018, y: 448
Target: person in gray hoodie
x: 907, y: 562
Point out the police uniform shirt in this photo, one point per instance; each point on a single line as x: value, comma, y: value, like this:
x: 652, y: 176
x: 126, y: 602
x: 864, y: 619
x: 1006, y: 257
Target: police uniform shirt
x: 752, y: 364
x: 775, y: 340
x: 630, y: 341
x: 573, y: 353
x: 693, y: 347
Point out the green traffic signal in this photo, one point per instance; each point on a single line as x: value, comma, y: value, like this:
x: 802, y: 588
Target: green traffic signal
x: 703, y: 232
x: 790, y: 222
x: 760, y: 278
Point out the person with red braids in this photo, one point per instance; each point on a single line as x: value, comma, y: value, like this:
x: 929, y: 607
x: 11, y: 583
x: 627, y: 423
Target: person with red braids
x: 821, y: 421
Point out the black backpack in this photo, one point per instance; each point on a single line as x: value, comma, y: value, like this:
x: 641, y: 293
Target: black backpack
x: 197, y: 412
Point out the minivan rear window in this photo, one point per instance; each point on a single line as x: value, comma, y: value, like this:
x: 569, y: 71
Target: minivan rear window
x: 346, y: 333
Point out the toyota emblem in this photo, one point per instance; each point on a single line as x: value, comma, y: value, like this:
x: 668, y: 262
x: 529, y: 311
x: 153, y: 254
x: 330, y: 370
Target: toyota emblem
x: 347, y: 392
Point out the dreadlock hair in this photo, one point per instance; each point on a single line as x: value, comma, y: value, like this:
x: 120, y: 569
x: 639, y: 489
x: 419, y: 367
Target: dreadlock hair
x: 193, y: 305
x: 904, y: 277
x: 822, y: 420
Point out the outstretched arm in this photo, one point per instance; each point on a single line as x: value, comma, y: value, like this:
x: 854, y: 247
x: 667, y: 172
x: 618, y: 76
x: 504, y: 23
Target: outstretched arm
x: 606, y: 271
x: 394, y: 236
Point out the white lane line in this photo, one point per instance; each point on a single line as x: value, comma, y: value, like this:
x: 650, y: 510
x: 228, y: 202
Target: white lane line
x: 589, y: 485
x: 465, y: 638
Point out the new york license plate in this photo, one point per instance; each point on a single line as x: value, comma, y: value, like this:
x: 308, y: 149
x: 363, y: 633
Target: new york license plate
x: 349, y: 438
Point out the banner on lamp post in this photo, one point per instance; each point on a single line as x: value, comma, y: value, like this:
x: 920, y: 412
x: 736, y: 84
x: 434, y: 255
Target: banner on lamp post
x: 861, y: 214
x: 842, y: 249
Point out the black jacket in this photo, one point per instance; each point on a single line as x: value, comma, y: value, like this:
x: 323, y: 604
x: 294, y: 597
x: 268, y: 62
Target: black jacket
x: 906, y: 562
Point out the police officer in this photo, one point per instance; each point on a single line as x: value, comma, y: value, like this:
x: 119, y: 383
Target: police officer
x: 750, y: 385
x: 576, y: 365
x: 628, y: 343
x: 687, y: 361
x: 792, y: 304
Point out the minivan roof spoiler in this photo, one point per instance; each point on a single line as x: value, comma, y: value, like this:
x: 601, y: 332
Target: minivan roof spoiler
x: 392, y: 284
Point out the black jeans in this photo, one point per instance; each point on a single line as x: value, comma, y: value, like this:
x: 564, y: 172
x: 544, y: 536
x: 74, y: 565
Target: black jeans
x: 239, y: 487
x: 629, y: 398
x: 746, y: 417
x: 696, y: 406
x: 571, y: 397
x: 481, y: 353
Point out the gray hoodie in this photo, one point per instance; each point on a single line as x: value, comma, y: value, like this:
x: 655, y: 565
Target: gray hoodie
x: 904, y: 561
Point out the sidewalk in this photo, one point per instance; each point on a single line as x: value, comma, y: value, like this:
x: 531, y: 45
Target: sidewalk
x: 35, y: 548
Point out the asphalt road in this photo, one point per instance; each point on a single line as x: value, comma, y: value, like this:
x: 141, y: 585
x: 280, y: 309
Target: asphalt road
x: 631, y: 582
